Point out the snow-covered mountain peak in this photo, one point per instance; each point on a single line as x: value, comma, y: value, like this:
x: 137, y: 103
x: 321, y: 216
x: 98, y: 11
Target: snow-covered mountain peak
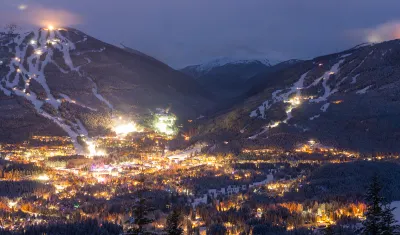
x: 221, y: 61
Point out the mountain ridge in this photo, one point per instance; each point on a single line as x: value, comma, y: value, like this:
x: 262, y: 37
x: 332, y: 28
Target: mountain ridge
x: 67, y: 78
x: 203, y: 68
x: 347, y: 100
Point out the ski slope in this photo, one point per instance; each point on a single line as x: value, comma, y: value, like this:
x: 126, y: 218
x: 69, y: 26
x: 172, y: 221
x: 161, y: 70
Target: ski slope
x: 33, y: 51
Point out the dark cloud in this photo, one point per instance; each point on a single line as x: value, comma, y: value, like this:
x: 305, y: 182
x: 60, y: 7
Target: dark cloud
x: 182, y: 32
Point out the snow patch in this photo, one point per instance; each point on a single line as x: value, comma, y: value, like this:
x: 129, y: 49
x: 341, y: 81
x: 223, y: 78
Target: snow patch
x: 345, y: 55
x: 325, y: 107
x: 364, y: 90
x: 315, y: 117
x: 327, y: 90
x: 354, y: 79
x: 68, y: 99
x: 396, y: 211
x: 99, y: 96
x: 226, y: 60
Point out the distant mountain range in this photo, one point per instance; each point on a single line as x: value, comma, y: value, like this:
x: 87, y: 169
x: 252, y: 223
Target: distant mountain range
x: 200, y: 70
x: 226, y: 77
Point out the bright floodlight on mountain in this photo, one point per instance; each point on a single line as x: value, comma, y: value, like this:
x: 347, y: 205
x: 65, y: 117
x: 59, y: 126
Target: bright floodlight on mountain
x: 165, y: 124
x: 126, y: 128
x: 50, y: 27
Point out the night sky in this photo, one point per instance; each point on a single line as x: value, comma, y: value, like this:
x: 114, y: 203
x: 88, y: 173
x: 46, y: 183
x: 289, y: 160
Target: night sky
x: 184, y: 32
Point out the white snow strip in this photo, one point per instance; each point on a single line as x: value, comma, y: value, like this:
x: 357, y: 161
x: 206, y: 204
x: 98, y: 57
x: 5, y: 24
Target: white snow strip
x: 325, y: 107
x: 5, y: 91
x: 36, y: 63
x: 100, y: 97
x: 354, y: 79
x: 90, y: 51
x: 82, y: 128
x: 68, y: 99
x: 358, y: 66
x: 84, y: 39
x: 59, y: 68
x: 296, y: 88
x: 283, y: 97
x: 262, y: 109
x: 327, y: 90
x: 345, y: 55
x: 363, y: 91
x: 315, y: 117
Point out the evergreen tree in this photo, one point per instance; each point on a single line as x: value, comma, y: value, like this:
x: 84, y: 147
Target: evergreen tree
x: 373, y: 215
x: 174, y: 223
x: 140, y: 210
x: 216, y: 229
x: 388, y: 222
x: 329, y: 230
x: 379, y: 216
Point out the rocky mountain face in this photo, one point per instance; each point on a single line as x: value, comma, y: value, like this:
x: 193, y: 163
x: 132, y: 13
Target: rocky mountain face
x: 224, y: 77
x: 62, y: 81
x: 349, y: 100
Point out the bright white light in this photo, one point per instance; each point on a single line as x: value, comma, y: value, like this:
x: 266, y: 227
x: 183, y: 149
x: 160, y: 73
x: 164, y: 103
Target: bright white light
x: 59, y: 187
x: 295, y: 101
x: 93, y: 151
x: 50, y: 27
x: 100, y: 179
x: 33, y: 42
x: 165, y: 124
x: 275, y: 124
x: 11, y: 204
x: 38, y: 52
x: 43, y: 177
x: 22, y: 7
x: 124, y: 129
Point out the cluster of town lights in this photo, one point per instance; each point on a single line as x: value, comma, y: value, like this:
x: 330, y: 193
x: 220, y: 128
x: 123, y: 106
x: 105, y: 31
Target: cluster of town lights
x: 125, y: 129
x: 93, y: 150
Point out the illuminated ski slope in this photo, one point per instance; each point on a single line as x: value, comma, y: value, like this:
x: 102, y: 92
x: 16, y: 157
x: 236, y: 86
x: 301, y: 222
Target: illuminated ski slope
x: 293, y: 97
x: 33, y: 51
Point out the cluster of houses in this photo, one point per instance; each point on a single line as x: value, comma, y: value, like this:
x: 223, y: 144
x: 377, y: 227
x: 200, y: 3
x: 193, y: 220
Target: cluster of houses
x: 228, y: 191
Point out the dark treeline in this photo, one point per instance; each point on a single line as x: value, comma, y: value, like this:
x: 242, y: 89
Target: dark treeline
x: 13, y: 189
x: 87, y: 227
x: 350, y: 180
